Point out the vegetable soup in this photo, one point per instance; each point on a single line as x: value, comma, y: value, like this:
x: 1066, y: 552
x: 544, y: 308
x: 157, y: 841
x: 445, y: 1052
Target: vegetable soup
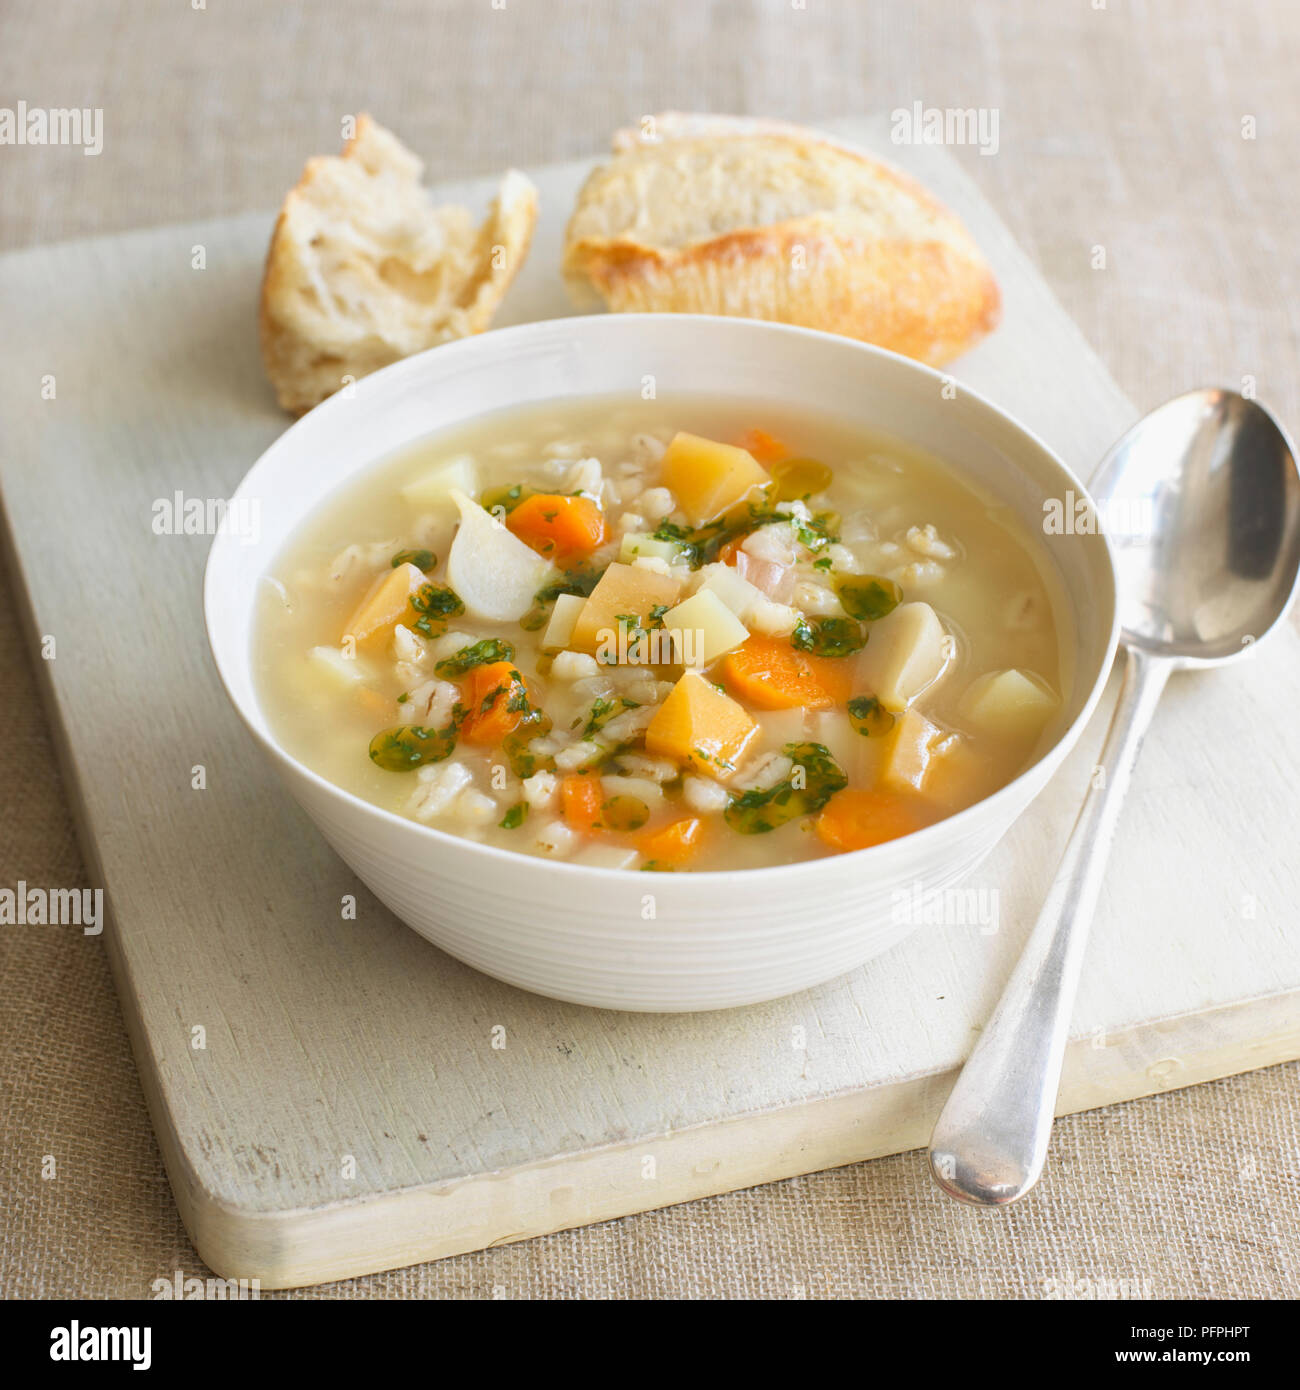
x: 667, y: 635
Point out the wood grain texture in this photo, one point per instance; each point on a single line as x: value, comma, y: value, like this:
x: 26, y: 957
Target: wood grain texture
x: 330, y: 1040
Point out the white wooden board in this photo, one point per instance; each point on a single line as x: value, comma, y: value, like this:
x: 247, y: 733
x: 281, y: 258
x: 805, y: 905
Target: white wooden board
x: 349, y: 1111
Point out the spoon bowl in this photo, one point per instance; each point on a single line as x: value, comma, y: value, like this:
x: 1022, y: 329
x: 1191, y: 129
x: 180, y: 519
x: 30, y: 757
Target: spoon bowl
x: 1201, y: 502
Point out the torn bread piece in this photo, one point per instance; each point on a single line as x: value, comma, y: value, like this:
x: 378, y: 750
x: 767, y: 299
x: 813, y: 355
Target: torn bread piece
x: 364, y: 270
x: 760, y: 219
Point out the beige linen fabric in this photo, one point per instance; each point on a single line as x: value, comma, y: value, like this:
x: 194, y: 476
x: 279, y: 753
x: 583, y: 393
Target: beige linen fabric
x: 1126, y: 167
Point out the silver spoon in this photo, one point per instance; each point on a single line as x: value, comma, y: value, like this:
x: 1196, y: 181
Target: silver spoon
x: 1201, y: 500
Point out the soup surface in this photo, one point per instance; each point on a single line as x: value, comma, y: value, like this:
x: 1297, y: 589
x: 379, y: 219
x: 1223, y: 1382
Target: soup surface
x: 669, y: 635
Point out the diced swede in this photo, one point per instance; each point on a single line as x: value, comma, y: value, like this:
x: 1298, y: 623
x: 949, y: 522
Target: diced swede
x: 622, y: 593
x: 910, y: 750
x: 384, y: 605
x: 699, y: 725
x: 709, y: 478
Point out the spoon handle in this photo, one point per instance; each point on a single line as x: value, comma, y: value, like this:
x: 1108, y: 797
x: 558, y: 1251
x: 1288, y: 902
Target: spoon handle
x: 990, y: 1141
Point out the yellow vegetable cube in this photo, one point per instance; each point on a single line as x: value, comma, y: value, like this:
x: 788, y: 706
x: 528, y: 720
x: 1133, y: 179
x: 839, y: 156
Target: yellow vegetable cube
x: 386, y: 603
x: 910, y: 751
x: 703, y: 628
x: 624, y: 592
x: 559, y: 631
x: 961, y: 775
x: 700, y: 726
x: 1009, y: 704
x: 709, y: 478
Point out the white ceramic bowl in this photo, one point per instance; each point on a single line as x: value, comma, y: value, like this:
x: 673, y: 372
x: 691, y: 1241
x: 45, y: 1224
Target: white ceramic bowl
x: 617, y: 939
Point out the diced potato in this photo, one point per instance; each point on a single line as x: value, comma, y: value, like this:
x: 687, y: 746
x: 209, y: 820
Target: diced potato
x: 731, y: 587
x: 493, y: 572
x: 709, y: 478
x: 622, y: 592
x: 909, y: 752
x: 703, y: 629
x: 1009, y: 704
x: 559, y: 631
x: 700, y: 726
x: 385, y: 604
x: 330, y: 661
x: 637, y: 545
x: 905, y: 653
x: 434, y: 488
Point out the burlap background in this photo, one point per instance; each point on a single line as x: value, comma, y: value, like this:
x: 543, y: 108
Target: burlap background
x: 1121, y: 126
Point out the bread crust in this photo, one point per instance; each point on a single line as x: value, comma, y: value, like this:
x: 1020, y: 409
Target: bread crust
x: 318, y: 327
x: 884, y: 261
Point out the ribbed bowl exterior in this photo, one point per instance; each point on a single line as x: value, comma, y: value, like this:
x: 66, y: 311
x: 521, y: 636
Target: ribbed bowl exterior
x: 656, y: 942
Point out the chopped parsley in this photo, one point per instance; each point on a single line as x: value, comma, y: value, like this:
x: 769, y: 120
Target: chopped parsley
x: 409, y: 746
x: 580, y: 582
x: 869, y: 717
x: 624, y: 813
x: 424, y: 560
x: 523, y: 761
x: 480, y: 654
x: 602, y: 711
x: 504, y: 499
x: 828, y: 636
x: 868, y: 597
x: 514, y: 817
x: 435, y: 603
x: 812, y: 781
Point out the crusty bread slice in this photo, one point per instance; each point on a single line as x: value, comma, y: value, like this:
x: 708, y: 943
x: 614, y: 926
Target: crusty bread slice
x: 364, y: 270
x: 724, y: 215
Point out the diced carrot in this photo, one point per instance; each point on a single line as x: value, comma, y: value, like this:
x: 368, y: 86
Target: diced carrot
x: 497, y: 697
x: 771, y: 674
x: 562, y: 529
x: 764, y: 447
x: 858, y: 819
x: 673, y: 843
x: 581, y: 799
x: 727, y: 553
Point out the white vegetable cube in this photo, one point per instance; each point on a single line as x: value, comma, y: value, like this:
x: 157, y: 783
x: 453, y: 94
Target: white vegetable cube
x: 563, y: 616
x: 703, y: 629
x: 731, y: 587
x: 906, y: 652
x: 494, y: 573
x: 637, y: 545
x: 330, y: 661
x: 1009, y: 704
x: 434, y: 488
